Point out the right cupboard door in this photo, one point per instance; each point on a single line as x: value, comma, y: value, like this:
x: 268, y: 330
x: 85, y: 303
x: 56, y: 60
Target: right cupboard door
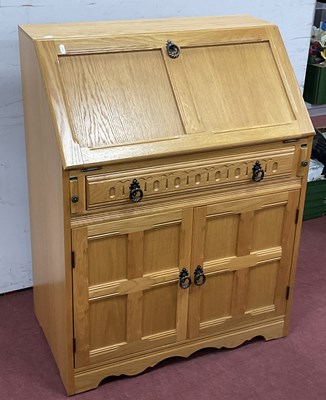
x: 244, y: 249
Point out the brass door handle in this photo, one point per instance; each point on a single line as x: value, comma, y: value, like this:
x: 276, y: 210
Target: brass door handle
x: 184, y: 279
x: 200, y: 277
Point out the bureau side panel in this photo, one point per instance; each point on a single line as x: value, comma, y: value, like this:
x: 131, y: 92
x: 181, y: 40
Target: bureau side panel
x: 304, y: 155
x: 49, y: 218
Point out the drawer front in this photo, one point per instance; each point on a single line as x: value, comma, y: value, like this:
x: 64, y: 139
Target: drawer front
x: 114, y: 188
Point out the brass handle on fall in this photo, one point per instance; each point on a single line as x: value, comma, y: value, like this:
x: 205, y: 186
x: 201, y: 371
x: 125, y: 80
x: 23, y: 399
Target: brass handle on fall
x: 136, y: 194
x: 257, y: 172
x: 172, y: 49
x: 200, y: 277
x: 184, y: 279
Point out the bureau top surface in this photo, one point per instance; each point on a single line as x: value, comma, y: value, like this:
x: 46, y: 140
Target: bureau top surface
x: 153, y: 88
x: 101, y: 28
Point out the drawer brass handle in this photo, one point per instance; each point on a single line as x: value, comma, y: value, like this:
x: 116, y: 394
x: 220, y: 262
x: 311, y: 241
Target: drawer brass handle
x: 257, y: 172
x: 136, y: 194
x: 172, y: 49
x: 184, y: 279
x: 200, y: 277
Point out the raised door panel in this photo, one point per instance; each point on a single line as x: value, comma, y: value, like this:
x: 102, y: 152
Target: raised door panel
x: 127, y: 297
x: 245, y: 250
x: 229, y: 87
x: 111, y: 101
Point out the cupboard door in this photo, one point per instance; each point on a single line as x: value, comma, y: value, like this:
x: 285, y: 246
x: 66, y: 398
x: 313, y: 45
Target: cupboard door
x: 127, y: 296
x: 244, y: 248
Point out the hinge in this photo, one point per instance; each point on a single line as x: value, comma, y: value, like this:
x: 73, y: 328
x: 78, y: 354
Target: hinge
x: 72, y: 259
x: 90, y: 169
x: 74, y: 345
x: 290, y: 140
x: 287, y: 294
x: 297, y: 216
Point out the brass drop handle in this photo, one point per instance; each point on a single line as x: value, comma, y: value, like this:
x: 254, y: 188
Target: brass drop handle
x: 184, y: 279
x: 200, y: 277
x: 257, y: 172
x: 172, y: 49
x: 136, y: 194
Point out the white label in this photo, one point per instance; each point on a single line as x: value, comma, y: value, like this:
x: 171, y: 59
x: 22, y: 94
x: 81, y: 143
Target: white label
x: 62, y: 49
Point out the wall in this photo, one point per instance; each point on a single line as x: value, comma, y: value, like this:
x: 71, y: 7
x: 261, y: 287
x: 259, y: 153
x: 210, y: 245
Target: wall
x: 15, y: 258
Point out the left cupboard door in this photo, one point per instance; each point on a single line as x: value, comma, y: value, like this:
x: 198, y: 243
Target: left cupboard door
x: 126, y: 284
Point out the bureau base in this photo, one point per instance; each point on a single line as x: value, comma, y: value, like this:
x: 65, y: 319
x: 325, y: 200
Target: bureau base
x: 91, y: 378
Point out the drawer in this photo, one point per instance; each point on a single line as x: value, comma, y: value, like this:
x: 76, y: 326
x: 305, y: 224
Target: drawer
x: 113, y: 188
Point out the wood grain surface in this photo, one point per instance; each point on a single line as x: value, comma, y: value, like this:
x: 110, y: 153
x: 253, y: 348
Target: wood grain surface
x: 119, y: 98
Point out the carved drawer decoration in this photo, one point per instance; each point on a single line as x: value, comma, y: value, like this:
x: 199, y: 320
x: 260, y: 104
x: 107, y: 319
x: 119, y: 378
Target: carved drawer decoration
x: 114, y: 187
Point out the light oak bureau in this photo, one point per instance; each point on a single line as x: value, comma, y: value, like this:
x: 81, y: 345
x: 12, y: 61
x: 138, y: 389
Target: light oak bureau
x: 167, y: 164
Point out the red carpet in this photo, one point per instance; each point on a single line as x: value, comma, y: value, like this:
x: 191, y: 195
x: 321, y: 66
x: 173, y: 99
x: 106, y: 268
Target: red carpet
x: 319, y: 121
x: 293, y: 368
